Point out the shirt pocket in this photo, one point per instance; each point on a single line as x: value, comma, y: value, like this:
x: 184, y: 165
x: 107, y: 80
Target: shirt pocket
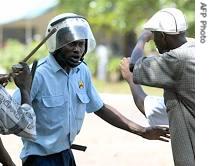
x: 83, y: 100
x: 53, y: 108
x: 53, y: 101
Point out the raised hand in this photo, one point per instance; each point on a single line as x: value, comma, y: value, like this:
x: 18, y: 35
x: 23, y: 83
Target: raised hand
x: 124, y: 68
x: 22, y: 76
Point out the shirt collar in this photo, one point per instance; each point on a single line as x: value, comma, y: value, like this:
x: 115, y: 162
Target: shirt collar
x: 54, y: 64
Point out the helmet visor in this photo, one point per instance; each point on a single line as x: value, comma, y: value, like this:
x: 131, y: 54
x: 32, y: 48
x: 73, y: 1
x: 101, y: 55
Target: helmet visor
x: 70, y: 30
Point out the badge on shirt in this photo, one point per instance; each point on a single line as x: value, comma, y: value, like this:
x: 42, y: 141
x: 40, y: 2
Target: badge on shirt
x: 81, y: 84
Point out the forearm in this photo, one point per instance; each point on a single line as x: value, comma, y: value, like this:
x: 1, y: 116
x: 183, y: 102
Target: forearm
x: 139, y: 48
x: 138, y: 95
x: 113, y: 117
x: 25, y: 97
x: 5, y: 159
x: 138, y: 51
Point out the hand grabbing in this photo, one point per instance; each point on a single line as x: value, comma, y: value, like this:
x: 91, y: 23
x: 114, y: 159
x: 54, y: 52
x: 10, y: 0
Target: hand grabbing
x: 22, y: 76
x: 124, y: 68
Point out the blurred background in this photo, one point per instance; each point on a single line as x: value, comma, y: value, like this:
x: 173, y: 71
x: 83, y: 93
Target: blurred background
x: 116, y: 25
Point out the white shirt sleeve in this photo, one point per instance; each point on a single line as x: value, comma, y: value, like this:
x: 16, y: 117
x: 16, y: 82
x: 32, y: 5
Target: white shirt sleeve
x: 16, y: 119
x: 155, y: 110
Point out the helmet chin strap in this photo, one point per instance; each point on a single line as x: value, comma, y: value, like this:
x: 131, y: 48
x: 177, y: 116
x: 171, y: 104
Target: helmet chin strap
x: 64, y: 63
x: 86, y: 47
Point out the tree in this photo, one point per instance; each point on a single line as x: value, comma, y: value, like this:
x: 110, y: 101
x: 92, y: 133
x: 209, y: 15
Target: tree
x: 125, y: 17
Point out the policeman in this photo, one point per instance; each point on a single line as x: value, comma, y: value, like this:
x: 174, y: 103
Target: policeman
x: 62, y: 91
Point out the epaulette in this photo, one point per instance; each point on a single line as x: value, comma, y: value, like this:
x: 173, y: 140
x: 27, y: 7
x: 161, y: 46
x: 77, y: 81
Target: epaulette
x: 84, y: 63
x: 42, y: 61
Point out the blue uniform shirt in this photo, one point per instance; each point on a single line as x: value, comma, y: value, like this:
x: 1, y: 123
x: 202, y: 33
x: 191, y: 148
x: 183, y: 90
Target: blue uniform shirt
x: 60, y: 101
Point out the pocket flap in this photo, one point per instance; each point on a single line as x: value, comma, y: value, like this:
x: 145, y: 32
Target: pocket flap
x: 53, y: 101
x: 83, y: 97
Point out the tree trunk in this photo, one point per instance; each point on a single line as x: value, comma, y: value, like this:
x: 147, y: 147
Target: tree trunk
x: 129, y: 43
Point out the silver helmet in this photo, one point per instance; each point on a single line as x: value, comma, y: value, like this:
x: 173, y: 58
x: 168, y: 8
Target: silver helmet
x: 70, y: 27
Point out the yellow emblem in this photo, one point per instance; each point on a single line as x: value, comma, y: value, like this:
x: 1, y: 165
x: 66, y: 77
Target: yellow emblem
x: 81, y: 85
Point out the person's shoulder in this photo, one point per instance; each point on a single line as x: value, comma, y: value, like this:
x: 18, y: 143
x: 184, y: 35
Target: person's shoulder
x: 191, y: 43
x: 42, y: 62
x: 184, y: 51
x: 84, y: 69
x: 41, y: 65
x: 190, y: 39
x: 83, y: 66
x: 170, y: 54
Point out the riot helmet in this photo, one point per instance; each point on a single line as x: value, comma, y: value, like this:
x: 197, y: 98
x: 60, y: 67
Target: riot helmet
x: 70, y: 27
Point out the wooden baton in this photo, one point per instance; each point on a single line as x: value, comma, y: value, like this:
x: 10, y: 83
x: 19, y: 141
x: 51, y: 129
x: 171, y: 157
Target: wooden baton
x: 39, y: 45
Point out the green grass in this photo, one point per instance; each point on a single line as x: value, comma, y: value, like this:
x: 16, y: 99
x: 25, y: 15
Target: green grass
x: 122, y: 87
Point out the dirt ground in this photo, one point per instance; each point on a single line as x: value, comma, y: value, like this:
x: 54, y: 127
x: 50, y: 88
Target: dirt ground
x: 107, y: 145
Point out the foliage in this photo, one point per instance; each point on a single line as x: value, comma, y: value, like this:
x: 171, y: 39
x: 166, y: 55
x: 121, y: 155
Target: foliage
x: 14, y: 52
x: 124, y: 19
x: 122, y: 87
x: 126, y: 15
x: 91, y: 60
x: 11, y: 54
x: 112, y: 67
x: 113, y: 64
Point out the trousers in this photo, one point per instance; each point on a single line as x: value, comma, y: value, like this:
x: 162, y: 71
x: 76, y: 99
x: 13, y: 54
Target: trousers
x: 64, y: 158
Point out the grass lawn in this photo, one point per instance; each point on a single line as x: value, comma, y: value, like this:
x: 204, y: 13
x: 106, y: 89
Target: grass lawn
x: 122, y: 87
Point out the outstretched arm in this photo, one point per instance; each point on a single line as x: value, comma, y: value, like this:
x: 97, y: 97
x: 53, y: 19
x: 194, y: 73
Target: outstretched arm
x: 5, y: 159
x: 136, y: 90
x: 113, y: 117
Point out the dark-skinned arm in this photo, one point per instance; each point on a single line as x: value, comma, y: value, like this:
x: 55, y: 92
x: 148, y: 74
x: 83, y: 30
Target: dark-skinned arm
x: 113, y: 117
x: 5, y: 159
x: 138, y: 50
x: 136, y: 90
x: 23, y: 79
x: 138, y: 96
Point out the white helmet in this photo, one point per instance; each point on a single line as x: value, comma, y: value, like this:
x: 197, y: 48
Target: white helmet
x: 70, y: 27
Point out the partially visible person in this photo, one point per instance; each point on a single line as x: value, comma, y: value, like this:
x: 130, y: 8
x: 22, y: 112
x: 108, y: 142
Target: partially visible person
x: 5, y: 158
x: 14, y: 118
x: 174, y: 71
x: 152, y: 107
